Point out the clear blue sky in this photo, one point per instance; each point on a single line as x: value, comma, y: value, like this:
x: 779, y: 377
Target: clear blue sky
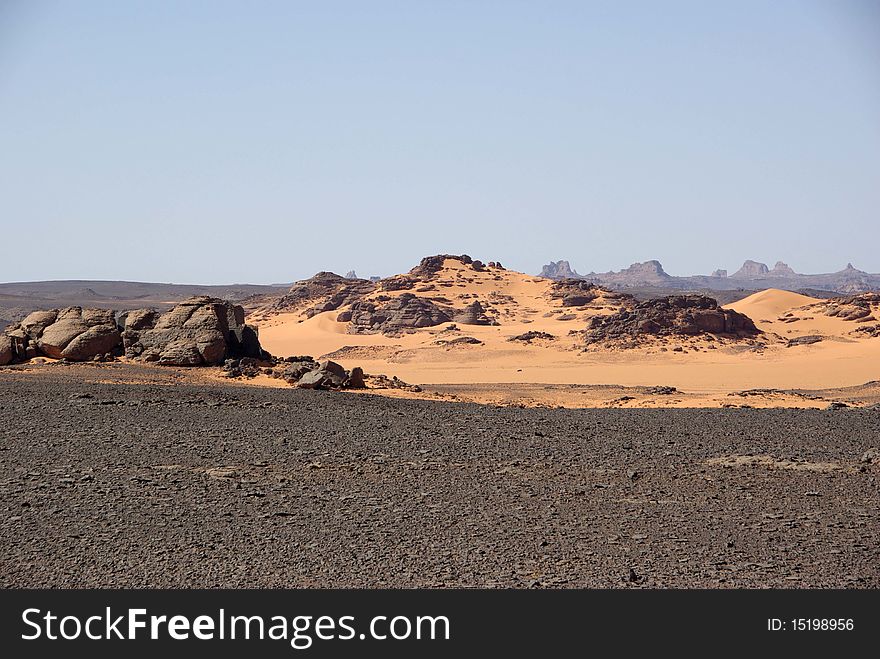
x: 216, y: 142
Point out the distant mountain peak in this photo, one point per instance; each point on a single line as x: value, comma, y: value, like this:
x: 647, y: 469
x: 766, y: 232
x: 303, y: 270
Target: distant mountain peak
x: 782, y: 270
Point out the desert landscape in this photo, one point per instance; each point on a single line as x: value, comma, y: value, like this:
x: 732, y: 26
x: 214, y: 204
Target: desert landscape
x: 458, y: 425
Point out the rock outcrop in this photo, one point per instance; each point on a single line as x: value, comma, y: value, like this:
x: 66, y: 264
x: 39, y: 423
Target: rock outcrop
x: 200, y: 331
x: 684, y: 315
x: 393, y: 315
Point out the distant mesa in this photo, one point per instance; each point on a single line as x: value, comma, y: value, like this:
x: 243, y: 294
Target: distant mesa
x: 559, y: 270
x: 751, y: 270
x: 719, y: 273
x: 638, y: 274
x: 351, y: 274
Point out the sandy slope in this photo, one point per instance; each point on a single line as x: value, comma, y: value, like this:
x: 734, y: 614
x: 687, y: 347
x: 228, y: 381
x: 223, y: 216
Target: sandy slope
x: 522, y: 303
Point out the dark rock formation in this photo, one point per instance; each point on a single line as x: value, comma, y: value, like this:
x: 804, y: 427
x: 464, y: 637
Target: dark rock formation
x: 328, y: 375
x: 199, y: 331
x: 559, y: 270
x: 855, y: 307
x: 575, y: 292
x: 804, y: 340
x: 394, y: 315
x: 528, y: 337
x: 432, y: 264
x: 351, y: 274
x: 461, y: 340
x: 294, y: 368
x: 684, y: 315
x: 306, y: 373
x: 326, y: 291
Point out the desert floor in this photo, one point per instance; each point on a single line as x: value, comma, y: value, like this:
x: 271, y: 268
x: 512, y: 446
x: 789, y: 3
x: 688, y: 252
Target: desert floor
x: 117, y: 475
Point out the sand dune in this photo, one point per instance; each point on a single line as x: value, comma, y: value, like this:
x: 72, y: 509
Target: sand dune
x: 770, y: 303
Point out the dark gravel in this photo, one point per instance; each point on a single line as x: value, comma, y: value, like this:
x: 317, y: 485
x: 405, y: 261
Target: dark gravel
x: 223, y: 485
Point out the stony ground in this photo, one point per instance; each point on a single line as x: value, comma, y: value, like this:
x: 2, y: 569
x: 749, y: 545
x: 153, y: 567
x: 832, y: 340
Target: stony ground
x: 152, y: 484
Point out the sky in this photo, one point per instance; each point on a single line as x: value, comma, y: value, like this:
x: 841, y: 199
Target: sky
x: 260, y: 142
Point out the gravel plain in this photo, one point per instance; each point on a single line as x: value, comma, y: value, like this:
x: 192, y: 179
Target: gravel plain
x: 125, y: 476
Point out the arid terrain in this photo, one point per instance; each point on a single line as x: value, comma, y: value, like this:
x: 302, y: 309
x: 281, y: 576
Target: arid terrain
x: 459, y: 425
x: 121, y: 475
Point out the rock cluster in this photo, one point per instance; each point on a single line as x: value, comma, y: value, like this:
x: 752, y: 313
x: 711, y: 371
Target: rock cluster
x: 199, y: 331
x: 392, y: 314
x: 74, y: 333
x: 854, y: 307
x: 684, y: 315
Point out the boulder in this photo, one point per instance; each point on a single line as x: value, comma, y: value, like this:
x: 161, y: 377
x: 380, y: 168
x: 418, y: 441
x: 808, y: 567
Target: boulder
x: 356, y: 379
x: 199, y: 331
x: 74, y: 333
x: 328, y: 375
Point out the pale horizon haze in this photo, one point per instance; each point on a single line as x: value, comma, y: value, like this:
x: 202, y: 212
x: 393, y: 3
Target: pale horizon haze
x: 231, y: 142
